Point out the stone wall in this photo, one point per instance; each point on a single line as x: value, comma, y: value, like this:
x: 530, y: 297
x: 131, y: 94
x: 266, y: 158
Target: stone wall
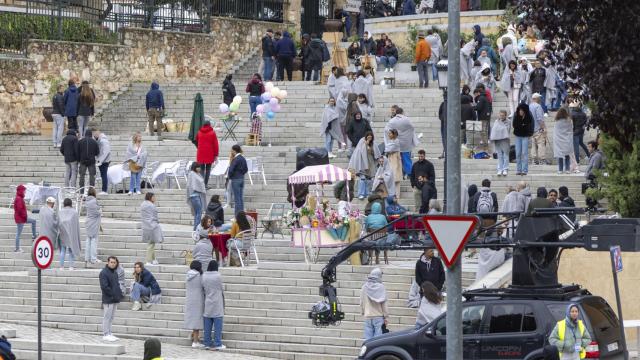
x: 396, y: 26
x: 592, y: 270
x: 144, y: 56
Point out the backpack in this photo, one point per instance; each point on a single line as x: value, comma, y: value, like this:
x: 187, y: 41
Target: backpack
x: 325, y: 52
x: 485, y: 202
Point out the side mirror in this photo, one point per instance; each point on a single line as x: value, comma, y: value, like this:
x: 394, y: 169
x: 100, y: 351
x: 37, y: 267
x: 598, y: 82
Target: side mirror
x: 428, y: 332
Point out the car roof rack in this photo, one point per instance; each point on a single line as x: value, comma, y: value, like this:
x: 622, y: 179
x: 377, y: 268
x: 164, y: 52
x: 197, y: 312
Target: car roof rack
x: 562, y: 292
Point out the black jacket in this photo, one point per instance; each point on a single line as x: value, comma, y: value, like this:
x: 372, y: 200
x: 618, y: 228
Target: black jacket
x: 267, y: 46
x: 428, y: 192
x: 58, y: 104
x: 466, y: 111
x: 357, y: 129
x: 523, y: 126
x: 579, y: 121
x: 228, y: 92
x: 433, y: 272
x: 391, y: 51
x: 111, y: 292
x: 422, y: 168
x: 537, y: 79
x: 216, y: 212
x: 238, y: 168
x: 69, y: 147
x: 314, y: 54
x: 569, y: 203
x: 368, y: 46
x: 88, y: 149
x: 149, y: 281
x: 381, y: 8
x: 483, y: 107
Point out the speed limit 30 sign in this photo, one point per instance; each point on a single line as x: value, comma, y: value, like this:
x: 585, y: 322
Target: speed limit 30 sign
x: 42, y: 252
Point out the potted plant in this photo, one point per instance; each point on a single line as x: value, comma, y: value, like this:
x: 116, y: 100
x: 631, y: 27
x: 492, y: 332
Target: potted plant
x: 412, y: 40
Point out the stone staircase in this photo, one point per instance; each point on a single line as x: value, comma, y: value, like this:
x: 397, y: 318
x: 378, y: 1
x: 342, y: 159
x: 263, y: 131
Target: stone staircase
x: 267, y: 304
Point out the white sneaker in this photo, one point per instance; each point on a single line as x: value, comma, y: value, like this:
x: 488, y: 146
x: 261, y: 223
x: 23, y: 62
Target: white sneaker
x: 221, y: 347
x: 97, y: 261
x: 420, y: 135
x: 390, y: 69
x: 196, y: 345
x: 546, y: 114
x: 71, y: 268
x: 129, y: 193
x: 103, y: 193
x: 504, y: 172
x: 138, y: 193
x: 154, y: 262
x: 499, y: 173
x: 559, y: 172
x: 136, y: 306
x: 331, y: 155
x: 386, y: 69
x: 110, y: 338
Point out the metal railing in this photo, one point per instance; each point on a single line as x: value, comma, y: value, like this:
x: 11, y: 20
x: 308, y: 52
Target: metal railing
x: 262, y: 10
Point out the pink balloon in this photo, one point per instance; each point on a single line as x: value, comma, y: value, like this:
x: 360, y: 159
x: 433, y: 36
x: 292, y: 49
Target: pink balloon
x: 273, y: 101
x: 276, y: 108
x: 260, y: 109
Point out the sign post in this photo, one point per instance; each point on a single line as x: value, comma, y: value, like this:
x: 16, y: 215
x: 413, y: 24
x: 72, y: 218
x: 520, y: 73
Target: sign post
x: 42, y: 256
x: 616, y: 267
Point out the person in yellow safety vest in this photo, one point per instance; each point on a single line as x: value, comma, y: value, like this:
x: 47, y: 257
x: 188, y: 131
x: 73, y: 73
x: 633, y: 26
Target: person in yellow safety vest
x: 152, y: 349
x: 570, y: 336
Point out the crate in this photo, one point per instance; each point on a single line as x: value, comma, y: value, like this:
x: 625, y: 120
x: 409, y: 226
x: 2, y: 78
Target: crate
x: 252, y: 140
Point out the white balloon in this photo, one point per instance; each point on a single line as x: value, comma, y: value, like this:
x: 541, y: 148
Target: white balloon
x: 268, y: 86
x: 237, y: 99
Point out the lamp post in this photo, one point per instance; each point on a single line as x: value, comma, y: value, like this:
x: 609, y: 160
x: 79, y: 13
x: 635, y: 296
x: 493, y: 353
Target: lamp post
x: 443, y: 66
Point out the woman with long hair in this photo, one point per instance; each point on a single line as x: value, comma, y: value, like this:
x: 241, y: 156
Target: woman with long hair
x: 255, y: 88
x: 563, y: 140
x: 363, y: 161
x: 136, y: 160
x: 86, y: 107
x: 430, y: 304
x: 145, y: 288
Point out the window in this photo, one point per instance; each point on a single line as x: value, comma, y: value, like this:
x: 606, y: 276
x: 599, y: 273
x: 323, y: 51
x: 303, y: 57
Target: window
x: 512, y: 318
x: 471, y: 321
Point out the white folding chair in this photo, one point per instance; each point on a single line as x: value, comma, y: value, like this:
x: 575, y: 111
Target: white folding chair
x: 179, y: 169
x: 257, y: 167
x: 148, y: 172
x: 244, y: 242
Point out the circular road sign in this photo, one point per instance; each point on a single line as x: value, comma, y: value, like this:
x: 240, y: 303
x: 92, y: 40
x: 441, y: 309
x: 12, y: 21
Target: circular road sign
x: 42, y: 252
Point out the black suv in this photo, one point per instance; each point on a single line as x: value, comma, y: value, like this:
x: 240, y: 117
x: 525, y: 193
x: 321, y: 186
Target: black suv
x: 512, y: 323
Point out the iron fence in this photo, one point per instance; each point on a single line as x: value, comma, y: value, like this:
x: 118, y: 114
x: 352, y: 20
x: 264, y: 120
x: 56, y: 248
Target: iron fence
x: 263, y: 10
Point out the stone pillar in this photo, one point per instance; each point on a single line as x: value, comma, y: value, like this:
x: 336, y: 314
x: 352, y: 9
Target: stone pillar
x: 292, y: 13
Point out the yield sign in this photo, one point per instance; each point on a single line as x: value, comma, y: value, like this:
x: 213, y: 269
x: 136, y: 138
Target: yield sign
x: 450, y: 234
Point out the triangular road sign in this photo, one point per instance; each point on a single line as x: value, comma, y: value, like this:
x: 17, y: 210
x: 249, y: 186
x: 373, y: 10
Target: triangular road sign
x: 450, y: 234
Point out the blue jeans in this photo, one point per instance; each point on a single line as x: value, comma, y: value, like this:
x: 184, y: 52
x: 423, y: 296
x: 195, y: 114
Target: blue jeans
x: 567, y: 163
x: 312, y: 75
x: 578, y: 142
x: 196, y: 202
x: 268, y: 68
x: 364, y: 187
x: 388, y: 61
x: 328, y: 142
x: 66, y: 251
x: 254, y: 101
x: 406, y: 163
x: 237, y: 187
x: 216, y: 324
x: 522, y: 154
x: 373, y: 327
x: 434, y: 71
x: 138, y: 291
x: 19, y: 231
x: 502, y: 149
x: 104, y: 168
x: 134, y: 181
x: 543, y: 101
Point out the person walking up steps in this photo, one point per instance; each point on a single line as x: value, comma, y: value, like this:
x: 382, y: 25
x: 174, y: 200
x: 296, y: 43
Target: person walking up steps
x: 111, y: 296
x: 155, y: 108
x: 103, y: 159
x: 57, y: 104
x: 20, y: 216
x: 88, y: 150
x: 373, y: 304
x: 86, y: 106
x: 208, y: 151
x: 71, y: 97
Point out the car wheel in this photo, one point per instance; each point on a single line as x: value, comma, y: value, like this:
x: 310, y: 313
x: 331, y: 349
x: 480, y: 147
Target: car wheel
x: 387, y: 357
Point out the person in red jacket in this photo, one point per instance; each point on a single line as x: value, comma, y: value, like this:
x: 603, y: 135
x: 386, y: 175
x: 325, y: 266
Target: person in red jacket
x: 207, y: 149
x: 20, y: 216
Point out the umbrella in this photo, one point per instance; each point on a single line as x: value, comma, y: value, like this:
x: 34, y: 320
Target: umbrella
x: 197, y: 119
x: 319, y: 174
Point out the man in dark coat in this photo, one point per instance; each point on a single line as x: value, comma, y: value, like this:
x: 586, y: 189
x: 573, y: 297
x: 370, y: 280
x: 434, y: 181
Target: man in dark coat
x: 88, y: 149
x: 111, y: 296
x: 540, y: 202
x: 430, y: 268
x: 268, y: 55
x: 566, y: 201
x: 69, y: 149
x: 314, y: 59
x: 154, y: 102
x: 579, y: 122
x: 285, y: 51
x: 71, y: 97
x: 383, y: 9
x: 477, y: 37
x: 357, y: 128
x: 422, y: 167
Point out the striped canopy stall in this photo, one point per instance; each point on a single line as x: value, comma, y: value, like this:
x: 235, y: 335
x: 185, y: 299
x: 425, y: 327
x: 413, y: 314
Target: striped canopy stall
x: 319, y: 174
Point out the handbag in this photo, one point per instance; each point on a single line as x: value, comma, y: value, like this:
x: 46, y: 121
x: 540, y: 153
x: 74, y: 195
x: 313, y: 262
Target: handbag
x: 188, y: 256
x: 134, y: 167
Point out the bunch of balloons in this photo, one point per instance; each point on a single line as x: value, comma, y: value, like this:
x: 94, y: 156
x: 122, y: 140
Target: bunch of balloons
x: 233, y: 108
x: 271, y: 99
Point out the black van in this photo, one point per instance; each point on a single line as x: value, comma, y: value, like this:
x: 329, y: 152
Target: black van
x: 512, y: 323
